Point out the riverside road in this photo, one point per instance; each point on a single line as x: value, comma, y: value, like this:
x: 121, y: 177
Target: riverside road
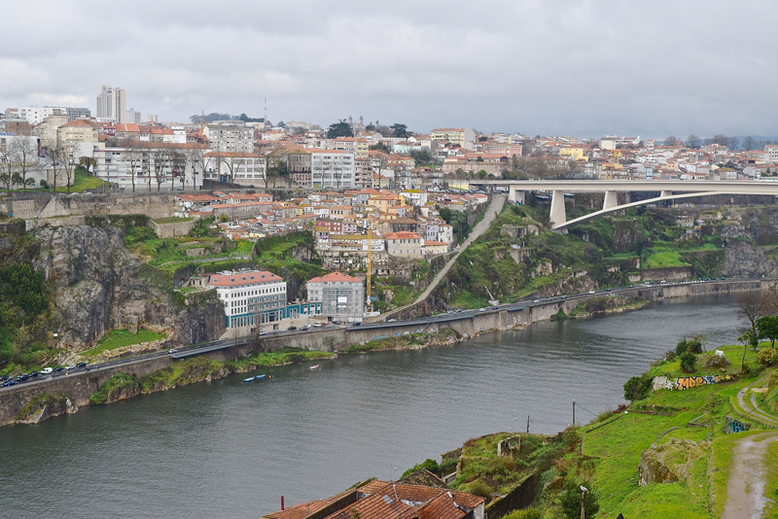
x: 204, y: 348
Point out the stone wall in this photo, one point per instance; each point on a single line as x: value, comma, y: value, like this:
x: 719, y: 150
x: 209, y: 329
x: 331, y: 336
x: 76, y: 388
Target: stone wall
x: 153, y: 205
x: 171, y: 230
x: 669, y: 274
x: 64, y: 221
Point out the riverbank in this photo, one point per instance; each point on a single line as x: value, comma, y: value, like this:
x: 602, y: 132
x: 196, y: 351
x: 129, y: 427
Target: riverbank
x: 673, y: 452
x: 401, y: 335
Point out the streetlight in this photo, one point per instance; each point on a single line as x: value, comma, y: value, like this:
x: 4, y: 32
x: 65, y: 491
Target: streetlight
x: 584, y: 490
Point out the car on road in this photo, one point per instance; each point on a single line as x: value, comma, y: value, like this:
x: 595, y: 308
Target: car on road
x: 58, y: 369
x: 172, y: 351
x: 292, y: 328
x: 81, y: 365
x: 458, y: 310
x: 263, y: 333
x: 305, y: 327
x: 9, y: 383
x: 482, y: 309
x: 335, y: 321
x: 392, y: 321
x: 592, y: 292
x: 46, y: 371
x: 70, y: 366
x: 317, y: 325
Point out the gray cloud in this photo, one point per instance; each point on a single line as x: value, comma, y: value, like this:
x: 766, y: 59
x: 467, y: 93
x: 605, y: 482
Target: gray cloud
x: 565, y: 67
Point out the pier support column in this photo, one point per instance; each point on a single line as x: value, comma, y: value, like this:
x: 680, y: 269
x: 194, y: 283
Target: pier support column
x: 611, y: 200
x: 558, y: 215
x: 516, y: 195
x: 666, y: 193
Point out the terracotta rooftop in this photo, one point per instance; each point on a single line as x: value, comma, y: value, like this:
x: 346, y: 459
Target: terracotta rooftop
x: 335, y: 277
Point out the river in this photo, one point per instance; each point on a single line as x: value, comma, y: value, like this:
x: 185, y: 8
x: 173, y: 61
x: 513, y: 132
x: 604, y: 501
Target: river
x: 229, y: 449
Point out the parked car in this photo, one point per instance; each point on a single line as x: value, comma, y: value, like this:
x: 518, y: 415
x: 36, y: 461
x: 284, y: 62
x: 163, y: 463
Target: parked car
x: 305, y: 327
x: 482, y: 309
x: 392, y: 321
x: 292, y: 328
x: 70, y: 366
x: 317, y: 325
x: 81, y: 365
x: 46, y: 371
x: 172, y: 351
x: 262, y: 333
x: 9, y: 383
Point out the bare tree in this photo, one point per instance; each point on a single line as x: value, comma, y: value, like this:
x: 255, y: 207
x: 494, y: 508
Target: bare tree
x: 693, y: 142
x: 671, y: 141
x: 229, y: 162
x: 53, y: 155
x: 134, y: 156
x: 66, y: 154
x: 752, y: 306
x: 178, y: 165
x: 24, y: 156
x: 160, y: 158
x: 6, y: 168
x: 749, y: 143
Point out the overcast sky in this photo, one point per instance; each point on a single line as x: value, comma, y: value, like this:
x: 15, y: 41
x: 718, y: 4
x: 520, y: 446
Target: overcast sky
x: 563, y: 67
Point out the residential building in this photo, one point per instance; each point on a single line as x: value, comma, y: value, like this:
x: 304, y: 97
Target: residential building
x: 36, y: 114
x: 148, y: 165
x: 76, y: 131
x: 48, y: 129
x: 230, y: 138
x: 133, y: 116
x: 75, y: 114
x: 332, y: 169
x: 363, y: 173
x: 247, y: 294
x: 16, y: 126
x: 342, y: 296
x: 151, y: 118
x: 771, y: 150
x: 405, y: 245
x: 465, y: 137
x: 112, y: 104
x: 246, y: 169
x: 390, y: 500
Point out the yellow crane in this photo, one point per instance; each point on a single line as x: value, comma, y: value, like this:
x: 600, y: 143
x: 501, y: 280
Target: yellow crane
x: 369, y: 267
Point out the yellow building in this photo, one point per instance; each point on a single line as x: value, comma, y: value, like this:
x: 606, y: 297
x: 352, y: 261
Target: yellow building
x: 573, y: 152
x: 453, y: 135
x: 74, y: 132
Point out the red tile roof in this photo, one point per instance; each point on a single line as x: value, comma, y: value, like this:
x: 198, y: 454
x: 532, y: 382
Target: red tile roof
x: 335, y: 277
x: 235, y: 279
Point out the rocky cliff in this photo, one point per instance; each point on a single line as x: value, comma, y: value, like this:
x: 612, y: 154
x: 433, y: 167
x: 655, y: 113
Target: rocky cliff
x: 97, y: 285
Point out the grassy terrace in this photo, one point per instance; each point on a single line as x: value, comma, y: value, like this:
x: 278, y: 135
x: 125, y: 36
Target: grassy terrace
x: 120, y: 338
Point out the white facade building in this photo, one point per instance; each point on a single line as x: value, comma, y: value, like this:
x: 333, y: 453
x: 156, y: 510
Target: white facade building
x: 249, y: 293
x: 36, y: 114
x: 332, y: 169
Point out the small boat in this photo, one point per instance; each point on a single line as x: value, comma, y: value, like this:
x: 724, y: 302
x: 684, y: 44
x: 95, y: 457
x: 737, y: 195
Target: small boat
x: 258, y: 377
x: 250, y: 379
x: 314, y: 367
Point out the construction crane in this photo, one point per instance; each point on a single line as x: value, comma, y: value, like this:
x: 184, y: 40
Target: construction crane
x: 369, y: 267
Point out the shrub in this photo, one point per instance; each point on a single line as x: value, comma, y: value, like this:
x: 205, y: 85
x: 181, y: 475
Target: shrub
x: 479, y: 487
x: 688, y: 362
x: 527, y: 513
x: 767, y: 356
x: 694, y: 345
x: 670, y: 355
x: 638, y: 388
x: 681, y: 348
x: 570, y: 499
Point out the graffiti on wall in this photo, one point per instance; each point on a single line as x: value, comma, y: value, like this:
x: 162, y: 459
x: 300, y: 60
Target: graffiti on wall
x: 737, y: 426
x: 701, y: 380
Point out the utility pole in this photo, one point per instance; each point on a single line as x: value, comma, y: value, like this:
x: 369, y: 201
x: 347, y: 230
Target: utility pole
x: 584, y: 490
x: 573, y: 413
x: 527, y: 424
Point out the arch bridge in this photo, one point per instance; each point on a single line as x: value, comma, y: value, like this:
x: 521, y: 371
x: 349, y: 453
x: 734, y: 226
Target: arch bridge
x: 669, y: 190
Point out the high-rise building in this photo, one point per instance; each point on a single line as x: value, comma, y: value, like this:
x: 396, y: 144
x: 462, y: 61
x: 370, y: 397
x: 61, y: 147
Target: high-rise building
x: 133, y: 116
x: 74, y: 114
x: 151, y: 118
x: 112, y: 104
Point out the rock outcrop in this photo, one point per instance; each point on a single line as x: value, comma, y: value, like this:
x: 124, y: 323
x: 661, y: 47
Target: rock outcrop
x: 98, y: 285
x: 45, y: 406
x: 669, y: 462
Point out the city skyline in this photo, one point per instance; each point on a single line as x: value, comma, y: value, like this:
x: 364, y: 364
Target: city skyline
x: 575, y: 68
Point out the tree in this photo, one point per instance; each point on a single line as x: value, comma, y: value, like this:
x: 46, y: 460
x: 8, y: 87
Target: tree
x: 53, y: 155
x: 746, y: 339
x: 671, y: 141
x: 570, y: 499
x: 693, y: 142
x: 400, y: 130
x: 159, y: 160
x: 688, y: 362
x: 733, y: 143
x: 87, y: 163
x: 134, y: 158
x: 379, y: 146
x: 6, y: 169
x: 339, y: 129
x: 752, y: 306
x: 24, y: 155
x: 229, y: 162
x: 749, y: 143
x: 178, y: 162
x: 66, y: 156
x: 720, y: 139
x: 767, y: 327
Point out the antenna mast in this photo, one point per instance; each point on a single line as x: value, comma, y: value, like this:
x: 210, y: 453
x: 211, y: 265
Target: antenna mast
x: 265, y: 112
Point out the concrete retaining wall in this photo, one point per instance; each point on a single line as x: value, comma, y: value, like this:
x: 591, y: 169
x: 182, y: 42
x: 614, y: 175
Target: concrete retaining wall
x: 171, y: 230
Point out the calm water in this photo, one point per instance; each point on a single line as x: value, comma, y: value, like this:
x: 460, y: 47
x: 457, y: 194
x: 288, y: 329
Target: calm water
x: 227, y: 449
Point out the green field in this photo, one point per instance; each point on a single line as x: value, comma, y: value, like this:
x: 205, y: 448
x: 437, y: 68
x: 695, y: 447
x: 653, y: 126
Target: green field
x: 120, y: 338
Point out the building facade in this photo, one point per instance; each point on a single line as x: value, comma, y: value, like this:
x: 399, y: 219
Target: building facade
x: 112, y: 104
x: 230, y: 138
x: 342, y: 297
x: 249, y: 296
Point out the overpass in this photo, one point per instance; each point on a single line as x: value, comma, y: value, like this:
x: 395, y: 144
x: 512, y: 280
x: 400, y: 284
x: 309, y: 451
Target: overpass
x: 668, y: 189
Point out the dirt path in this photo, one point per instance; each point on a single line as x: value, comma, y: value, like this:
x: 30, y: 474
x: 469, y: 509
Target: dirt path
x: 745, y: 488
x: 750, y: 406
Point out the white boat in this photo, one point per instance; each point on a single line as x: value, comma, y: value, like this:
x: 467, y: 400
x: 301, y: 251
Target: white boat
x: 260, y: 376
x: 314, y: 367
x: 250, y: 379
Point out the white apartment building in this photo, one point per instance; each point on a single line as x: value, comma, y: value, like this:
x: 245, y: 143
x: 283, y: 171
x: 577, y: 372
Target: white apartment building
x: 133, y: 116
x: 332, y: 169
x: 342, y: 296
x: 771, y: 150
x: 179, y: 165
x: 230, y: 138
x: 112, y: 104
x: 246, y: 169
x: 247, y: 294
x: 35, y: 114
